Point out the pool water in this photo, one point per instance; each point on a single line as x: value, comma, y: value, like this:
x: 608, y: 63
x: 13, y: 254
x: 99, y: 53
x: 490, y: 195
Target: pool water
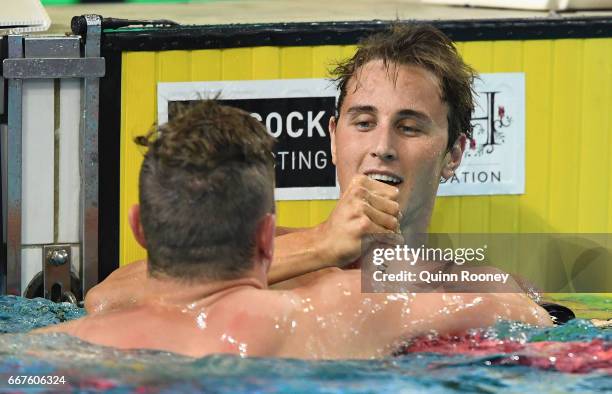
x: 510, y: 357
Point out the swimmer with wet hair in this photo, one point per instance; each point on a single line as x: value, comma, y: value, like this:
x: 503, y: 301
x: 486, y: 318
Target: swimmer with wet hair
x: 206, y: 217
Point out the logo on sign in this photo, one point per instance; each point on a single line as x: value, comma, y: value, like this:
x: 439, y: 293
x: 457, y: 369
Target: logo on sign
x: 487, y: 129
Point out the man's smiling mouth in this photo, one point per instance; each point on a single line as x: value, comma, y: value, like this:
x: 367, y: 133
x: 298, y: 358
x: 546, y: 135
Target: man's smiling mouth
x: 384, y: 178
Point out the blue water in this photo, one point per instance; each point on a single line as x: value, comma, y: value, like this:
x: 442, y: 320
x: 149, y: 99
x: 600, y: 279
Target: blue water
x: 90, y: 368
x: 19, y: 314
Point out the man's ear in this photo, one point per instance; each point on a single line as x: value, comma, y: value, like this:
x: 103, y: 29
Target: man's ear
x: 332, y: 136
x: 452, y: 159
x: 265, y: 239
x: 136, y: 226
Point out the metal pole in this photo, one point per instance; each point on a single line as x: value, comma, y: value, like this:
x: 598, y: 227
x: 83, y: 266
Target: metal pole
x: 89, y: 161
x: 14, y: 164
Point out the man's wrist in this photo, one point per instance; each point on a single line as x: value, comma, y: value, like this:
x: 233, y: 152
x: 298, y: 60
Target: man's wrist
x: 322, y: 247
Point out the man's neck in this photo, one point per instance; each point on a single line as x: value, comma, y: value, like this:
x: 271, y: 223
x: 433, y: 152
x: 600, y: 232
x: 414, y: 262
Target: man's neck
x: 174, y: 291
x: 412, y: 226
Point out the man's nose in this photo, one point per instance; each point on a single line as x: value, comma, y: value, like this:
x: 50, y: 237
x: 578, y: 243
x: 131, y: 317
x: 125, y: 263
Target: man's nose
x: 384, y: 147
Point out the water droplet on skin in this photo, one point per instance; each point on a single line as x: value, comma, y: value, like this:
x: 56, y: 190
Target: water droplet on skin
x: 201, y: 320
x: 242, y: 350
x: 227, y: 338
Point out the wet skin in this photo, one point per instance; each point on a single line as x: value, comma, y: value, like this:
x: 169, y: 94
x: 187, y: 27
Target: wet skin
x: 328, y: 318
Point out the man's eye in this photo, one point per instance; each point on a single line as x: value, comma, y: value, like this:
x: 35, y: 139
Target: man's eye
x: 408, y: 129
x: 364, y: 125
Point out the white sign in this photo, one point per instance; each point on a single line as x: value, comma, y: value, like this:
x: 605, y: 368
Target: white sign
x: 494, y: 160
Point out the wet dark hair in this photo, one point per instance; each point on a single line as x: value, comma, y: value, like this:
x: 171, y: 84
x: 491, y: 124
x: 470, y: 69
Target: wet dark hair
x: 206, y: 181
x: 424, y: 46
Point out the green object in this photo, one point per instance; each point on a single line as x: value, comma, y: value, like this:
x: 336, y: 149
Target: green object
x: 59, y: 2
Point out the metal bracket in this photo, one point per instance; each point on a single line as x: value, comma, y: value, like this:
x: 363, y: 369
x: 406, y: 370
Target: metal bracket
x: 56, y: 269
x: 27, y: 68
x: 50, y: 58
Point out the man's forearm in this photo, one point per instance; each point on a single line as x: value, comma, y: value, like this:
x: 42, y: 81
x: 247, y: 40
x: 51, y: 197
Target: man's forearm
x: 297, y: 253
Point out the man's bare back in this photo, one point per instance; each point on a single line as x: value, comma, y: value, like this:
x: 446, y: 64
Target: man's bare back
x: 327, y: 319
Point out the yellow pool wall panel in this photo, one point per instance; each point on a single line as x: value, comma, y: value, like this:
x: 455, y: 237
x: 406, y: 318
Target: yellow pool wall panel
x: 568, y: 125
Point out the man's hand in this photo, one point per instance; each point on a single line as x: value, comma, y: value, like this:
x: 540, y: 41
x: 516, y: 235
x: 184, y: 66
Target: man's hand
x: 366, y: 207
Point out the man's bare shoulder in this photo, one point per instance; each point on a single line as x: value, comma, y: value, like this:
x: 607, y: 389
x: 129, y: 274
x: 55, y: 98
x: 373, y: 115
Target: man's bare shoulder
x: 122, y: 288
x: 67, y: 327
x: 90, y: 327
x: 87, y: 323
x: 127, y: 328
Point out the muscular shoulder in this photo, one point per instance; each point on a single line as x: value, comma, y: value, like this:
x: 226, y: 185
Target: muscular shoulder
x: 81, y: 328
x: 121, y: 289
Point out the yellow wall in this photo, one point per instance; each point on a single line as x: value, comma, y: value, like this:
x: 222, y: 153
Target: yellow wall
x: 568, y: 129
